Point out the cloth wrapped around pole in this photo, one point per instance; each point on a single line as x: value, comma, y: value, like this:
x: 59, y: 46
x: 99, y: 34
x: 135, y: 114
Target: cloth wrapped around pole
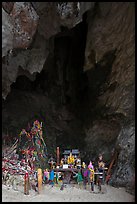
x: 26, y: 184
x: 39, y: 180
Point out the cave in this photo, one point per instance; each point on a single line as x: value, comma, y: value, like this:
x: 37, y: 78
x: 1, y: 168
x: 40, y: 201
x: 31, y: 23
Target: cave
x: 63, y: 82
x: 83, y: 92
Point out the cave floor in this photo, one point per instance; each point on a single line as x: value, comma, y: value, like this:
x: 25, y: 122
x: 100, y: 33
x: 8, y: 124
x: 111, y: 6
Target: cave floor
x: 68, y: 194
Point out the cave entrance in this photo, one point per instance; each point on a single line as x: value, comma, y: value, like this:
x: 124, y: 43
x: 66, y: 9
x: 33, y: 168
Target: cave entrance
x: 61, y: 96
x: 52, y: 96
x: 69, y: 60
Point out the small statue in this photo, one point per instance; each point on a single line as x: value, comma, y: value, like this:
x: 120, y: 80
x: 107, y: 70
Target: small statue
x: 71, y: 159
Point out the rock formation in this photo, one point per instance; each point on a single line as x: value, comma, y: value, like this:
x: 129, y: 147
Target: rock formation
x: 72, y: 66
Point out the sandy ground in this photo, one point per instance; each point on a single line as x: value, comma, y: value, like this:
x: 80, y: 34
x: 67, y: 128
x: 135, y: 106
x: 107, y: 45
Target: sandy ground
x: 69, y: 194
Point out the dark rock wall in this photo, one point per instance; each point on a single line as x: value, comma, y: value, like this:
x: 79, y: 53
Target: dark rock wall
x: 124, y: 174
x: 72, y: 66
x: 110, y: 50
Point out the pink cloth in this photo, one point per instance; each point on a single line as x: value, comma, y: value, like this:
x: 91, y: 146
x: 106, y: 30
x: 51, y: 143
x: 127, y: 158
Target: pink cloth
x: 46, y: 173
x: 90, y: 166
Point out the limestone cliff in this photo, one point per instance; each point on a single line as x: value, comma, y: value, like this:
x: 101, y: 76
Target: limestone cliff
x: 72, y: 66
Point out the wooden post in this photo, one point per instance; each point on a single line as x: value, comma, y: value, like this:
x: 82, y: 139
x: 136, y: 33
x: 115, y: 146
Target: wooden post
x: 110, y: 166
x: 39, y: 180
x: 112, y: 162
x: 26, y: 184
x: 57, y: 156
